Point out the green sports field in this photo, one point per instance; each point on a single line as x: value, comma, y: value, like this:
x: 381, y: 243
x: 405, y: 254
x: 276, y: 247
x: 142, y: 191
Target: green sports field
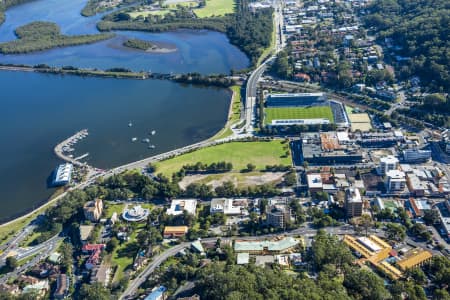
x: 286, y: 113
x: 238, y: 153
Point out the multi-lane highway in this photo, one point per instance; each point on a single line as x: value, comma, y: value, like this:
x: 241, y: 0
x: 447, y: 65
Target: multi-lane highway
x: 37, y: 253
x: 252, y: 81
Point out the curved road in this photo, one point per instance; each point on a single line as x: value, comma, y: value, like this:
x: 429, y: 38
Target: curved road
x: 159, y: 259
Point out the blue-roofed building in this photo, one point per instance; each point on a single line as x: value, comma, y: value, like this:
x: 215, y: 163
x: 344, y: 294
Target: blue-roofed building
x: 158, y: 293
x: 296, y: 100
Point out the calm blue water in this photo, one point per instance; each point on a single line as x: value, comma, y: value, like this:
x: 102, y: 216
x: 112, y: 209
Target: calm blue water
x: 205, y: 52
x: 38, y: 111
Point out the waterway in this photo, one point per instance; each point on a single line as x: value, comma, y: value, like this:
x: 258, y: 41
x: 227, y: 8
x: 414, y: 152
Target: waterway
x: 200, y: 51
x: 40, y: 110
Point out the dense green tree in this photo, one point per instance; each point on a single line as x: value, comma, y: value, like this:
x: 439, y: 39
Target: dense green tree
x: 421, y: 28
x: 281, y: 66
x: 395, y: 232
x: 66, y: 250
x: 409, y: 289
x: 11, y: 263
x: 431, y: 217
x: 420, y: 231
x: 364, y: 284
x: 112, y: 244
x: 327, y: 249
x: 95, y: 291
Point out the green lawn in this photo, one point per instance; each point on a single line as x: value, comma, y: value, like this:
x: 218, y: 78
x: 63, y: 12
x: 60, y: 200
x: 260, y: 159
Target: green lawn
x: 121, y: 258
x: 112, y: 208
x: 284, y: 113
x: 238, y: 153
x: 215, y: 8
x: 146, y: 13
x: 235, y: 114
x: 184, y: 4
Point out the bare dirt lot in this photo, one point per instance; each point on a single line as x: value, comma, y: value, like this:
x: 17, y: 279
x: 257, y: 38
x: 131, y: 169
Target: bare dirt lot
x: 239, y: 179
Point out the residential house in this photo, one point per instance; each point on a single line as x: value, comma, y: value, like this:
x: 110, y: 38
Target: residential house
x: 62, y: 287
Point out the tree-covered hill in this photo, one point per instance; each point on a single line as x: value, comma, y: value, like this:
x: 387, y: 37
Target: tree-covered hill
x: 422, y: 29
x: 37, y: 36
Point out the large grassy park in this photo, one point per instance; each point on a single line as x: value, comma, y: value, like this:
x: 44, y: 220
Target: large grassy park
x: 215, y: 8
x: 286, y: 113
x: 260, y: 154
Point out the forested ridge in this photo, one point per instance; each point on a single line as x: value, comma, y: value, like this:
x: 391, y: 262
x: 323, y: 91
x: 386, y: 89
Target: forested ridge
x: 422, y: 29
x: 252, y: 32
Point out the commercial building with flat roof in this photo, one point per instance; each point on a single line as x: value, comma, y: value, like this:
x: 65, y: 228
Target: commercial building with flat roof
x: 395, y: 181
x: 376, y: 251
x: 228, y: 206
x: 414, y: 258
x: 315, y: 155
x: 85, y: 232
x: 314, y: 182
x: 353, y: 202
x: 416, y: 155
x: 243, y: 258
x: 175, y: 231
x: 388, y: 163
x: 278, y: 215
x: 63, y: 174
x: 177, y: 206
x: 283, y: 245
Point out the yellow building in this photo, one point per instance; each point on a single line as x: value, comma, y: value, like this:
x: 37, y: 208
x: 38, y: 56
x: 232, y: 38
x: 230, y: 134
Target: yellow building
x: 376, y: 251
x: 414, y: 258
x: 175, y: 231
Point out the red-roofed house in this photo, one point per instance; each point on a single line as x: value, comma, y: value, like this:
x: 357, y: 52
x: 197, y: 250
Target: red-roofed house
x: 95, y: 251
x: 88, y: 248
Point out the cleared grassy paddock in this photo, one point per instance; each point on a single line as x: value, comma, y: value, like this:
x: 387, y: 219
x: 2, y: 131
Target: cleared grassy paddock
x: 285, y: 113
x: 238, y: 153
x: 215, y: 8
x: 185, y: 4
x: 146, y: 13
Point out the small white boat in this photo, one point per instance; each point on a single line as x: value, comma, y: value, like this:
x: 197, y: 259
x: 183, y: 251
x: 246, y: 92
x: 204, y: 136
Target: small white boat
x: 153, y: 132
x: 146, y: 140
x: 134, y: 139
x: 151, y: 147
x: 130, y: 124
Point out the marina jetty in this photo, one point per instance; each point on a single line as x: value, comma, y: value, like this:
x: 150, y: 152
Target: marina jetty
x: 63, y: 149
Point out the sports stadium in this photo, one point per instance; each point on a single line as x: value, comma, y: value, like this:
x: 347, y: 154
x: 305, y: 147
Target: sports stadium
x: 303, y: 109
